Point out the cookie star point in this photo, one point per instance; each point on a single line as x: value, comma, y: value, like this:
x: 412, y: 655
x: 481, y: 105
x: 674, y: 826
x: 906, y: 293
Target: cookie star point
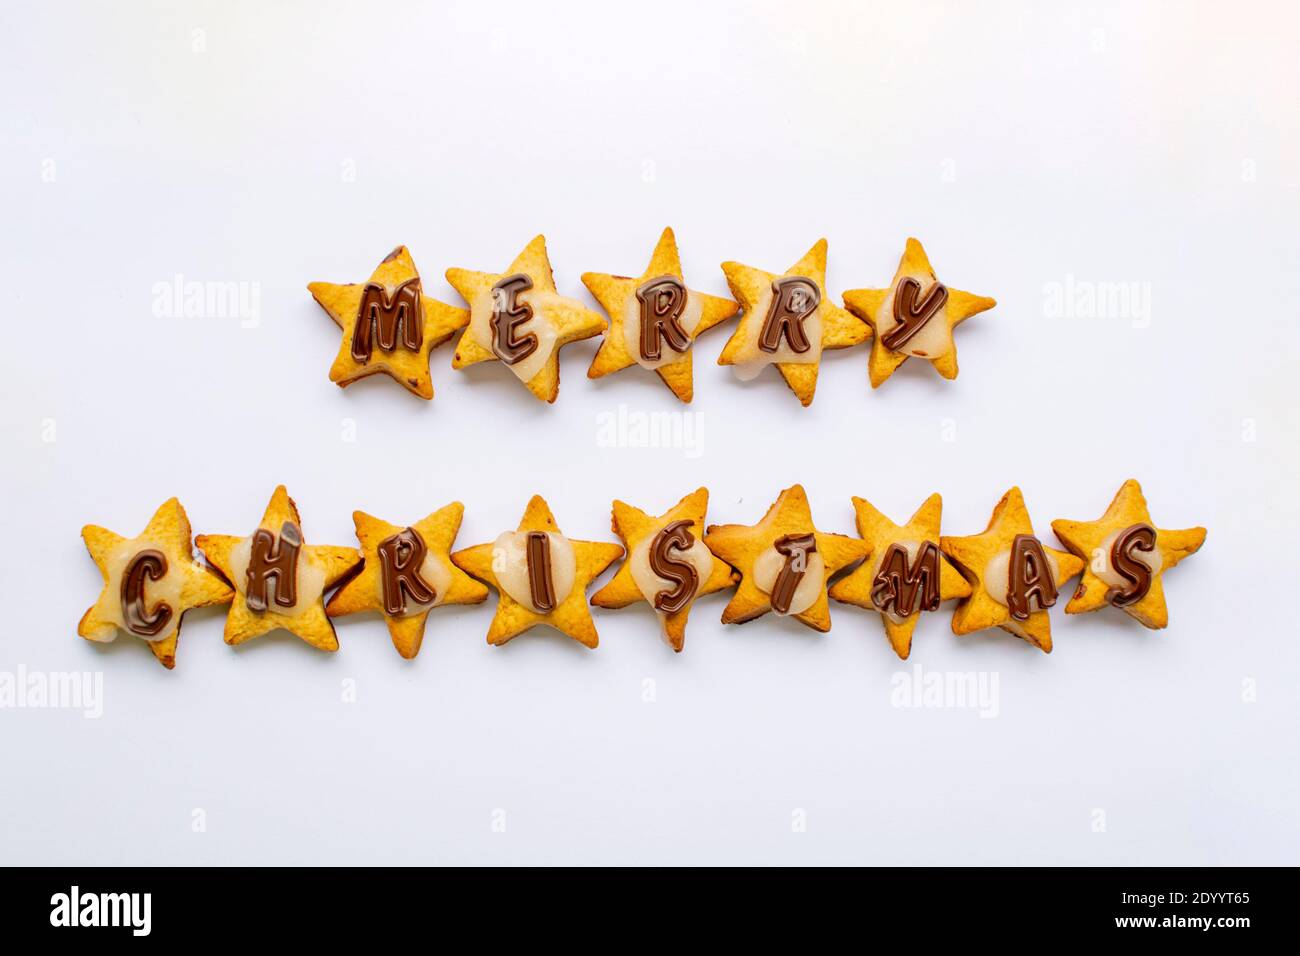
x: 150, y: 581
x: 389, y: 325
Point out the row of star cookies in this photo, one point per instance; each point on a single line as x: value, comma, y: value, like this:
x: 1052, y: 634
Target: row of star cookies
x: 519, y: 318
x: 1004, y: 577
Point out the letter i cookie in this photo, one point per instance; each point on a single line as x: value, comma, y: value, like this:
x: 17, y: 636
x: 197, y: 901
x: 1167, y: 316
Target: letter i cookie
x: 668, y: 565
x: 389, y: 324
x: 784, y: 562
x: 788, y: 320
x: 279, y: 580
x: 149, y: 582
x: 406, y: 573
x: 1127, y: 556
x: 519, y: 319
x: 541, y: 576
x: 906, y: 572
x: 1014, y: 579
x: 914, y: 317
x: 654, y: 319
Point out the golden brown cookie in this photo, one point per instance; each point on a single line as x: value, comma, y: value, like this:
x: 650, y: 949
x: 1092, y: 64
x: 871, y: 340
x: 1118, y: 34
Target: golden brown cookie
x: 668, y: 564
x: 654, y: 319
x: 914, y: 317
x: 406, y: 573
x: 906, y: 572
x: 541, y: 576
x: 789, y: 319
x: 785, y: 563
x: 1126, y: 557
x: 518, y: 318
x: 389, y: 324
x: 279, y: 580
x: 1014, y: 577
x: 150, y: 582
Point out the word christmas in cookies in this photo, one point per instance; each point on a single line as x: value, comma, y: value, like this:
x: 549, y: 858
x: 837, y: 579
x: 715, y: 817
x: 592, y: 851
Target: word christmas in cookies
x: 149, y: 582
x: 914, y: 317
x: 279, y: 580
x: 668, y: 565
x: 519, y: 319
x: 784, y: 562
x: 1126, y: 556
x: 788, y: 320
x: 906, y: 573
x: 654, y: 319
x: 389, y: 324
x: 406, y: 573
x: 541, y: 576
x: 1014, y: 579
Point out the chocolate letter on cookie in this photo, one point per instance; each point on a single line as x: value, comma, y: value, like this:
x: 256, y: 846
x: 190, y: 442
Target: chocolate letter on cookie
x: 138, y: 618
x: 904, y: 588
x: 796, y: 548
x: 541, y: 586
x: 383, y: 318
x: 400, y: 557
x: 910, y: 314
x: 670, y: 567
x: 1029, y: 576
x: 1138, y: 537
x: 272, y: 558
x: 663, y: 300
x: 508, y: 313
x: 794, y: 298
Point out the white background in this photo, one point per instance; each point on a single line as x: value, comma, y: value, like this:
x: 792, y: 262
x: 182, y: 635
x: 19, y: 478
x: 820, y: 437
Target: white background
x: 1025, y: 144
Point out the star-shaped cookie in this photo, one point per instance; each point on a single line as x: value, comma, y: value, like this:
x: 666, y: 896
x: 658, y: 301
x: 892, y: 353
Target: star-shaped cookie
x: 150, y: 582
x: 668, y: 565
x: 788, y: 320
x: 906, y: 573
x: 406, y: 573
x: 279, y: 580
x: 784, y: 562
x: 654, y: 319
x: 914, y: 317
x: 1126, y: 557
x: 389, y: 324
x: 518, y: 318
x: 541, y: 576
x: 1014, y: 577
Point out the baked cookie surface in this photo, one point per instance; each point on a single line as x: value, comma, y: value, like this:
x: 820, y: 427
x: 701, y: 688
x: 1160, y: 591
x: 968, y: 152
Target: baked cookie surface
x: 518, y: 318
x: 1126, y: 557
x: 654, y: 319
x: 668, y: 564
x: 914, y: 317
x: 1014, y: 577
x: 406, y: 572
x: 905, y: 574
x: 389, y: 325
x: 784, y: 562
x: 788, y: 320
x: 279, y: 580
x: 150, y: 581
x: 540, y: 575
